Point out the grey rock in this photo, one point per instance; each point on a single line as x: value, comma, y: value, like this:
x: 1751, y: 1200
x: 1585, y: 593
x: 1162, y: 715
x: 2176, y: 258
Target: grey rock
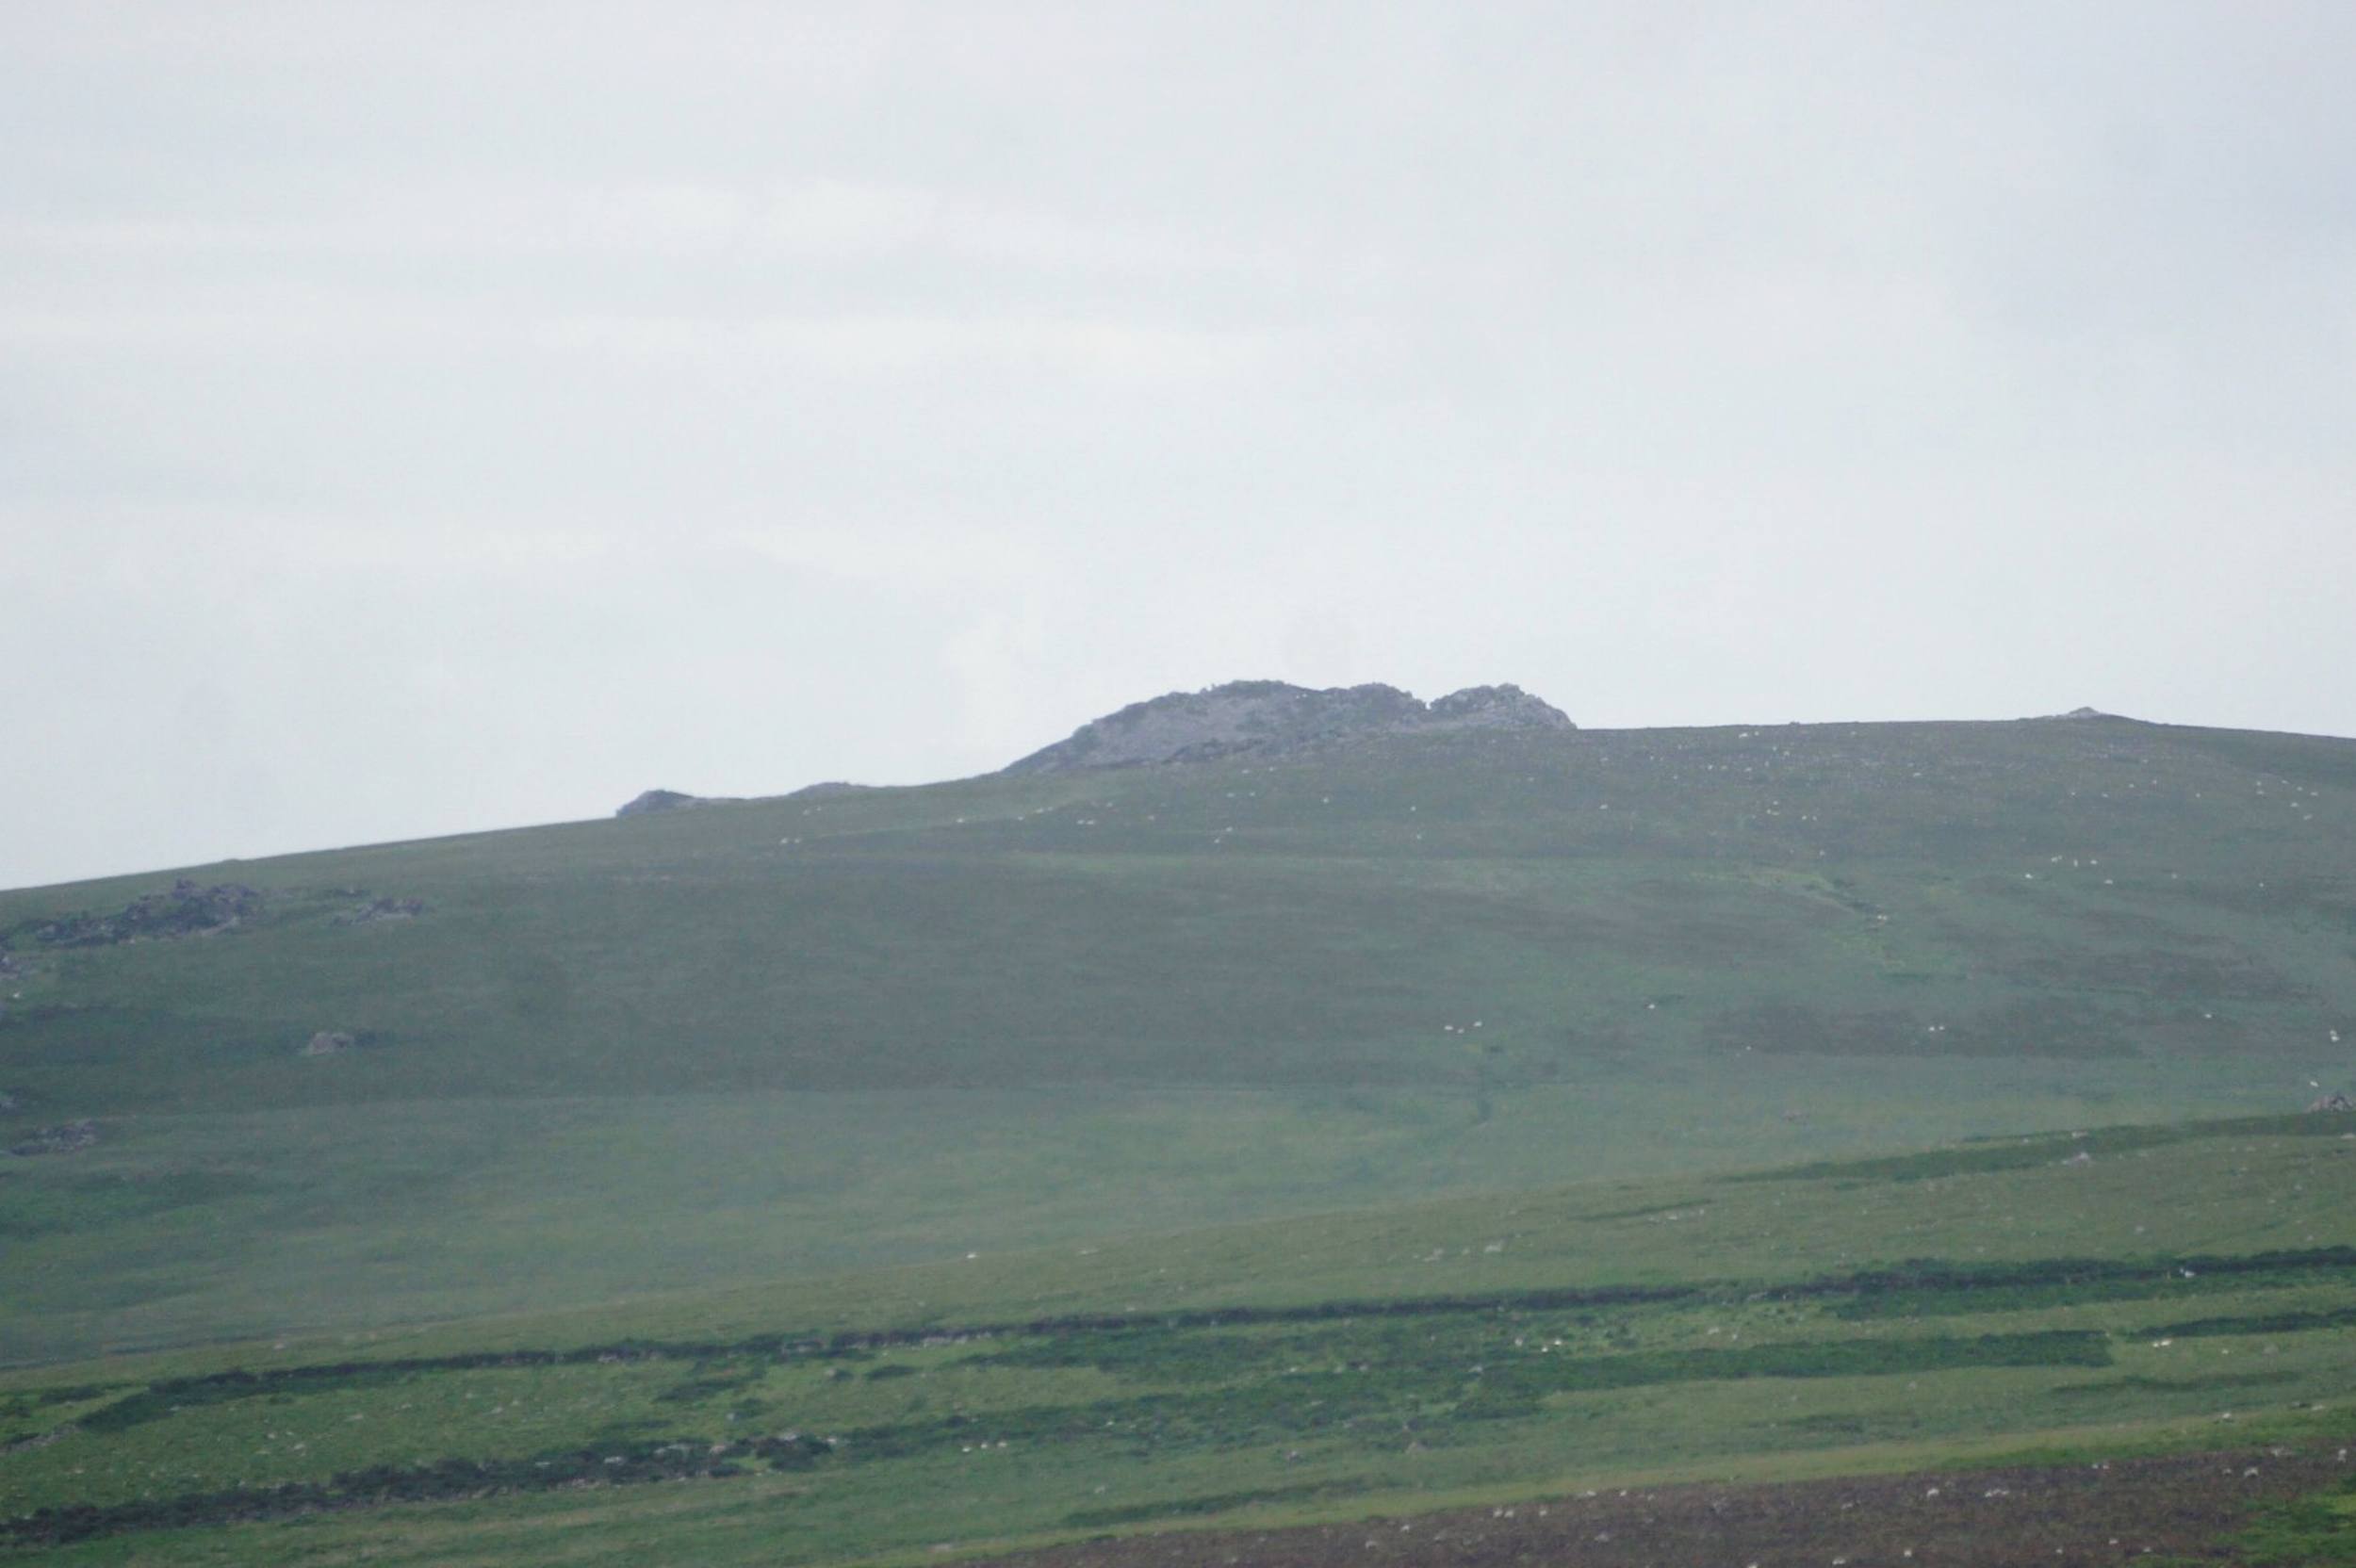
x: 673, y: 800
x: 62, y: 1139
x: 1272, y: 718
x: 383, y: 908
x: 658, y: 800
x: 186, y: 910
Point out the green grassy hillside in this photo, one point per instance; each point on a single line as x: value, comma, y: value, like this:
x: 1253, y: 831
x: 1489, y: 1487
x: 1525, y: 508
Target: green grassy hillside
x: 2005, y: 1315
x: 1597, y: 1136
x: 784, y: 1037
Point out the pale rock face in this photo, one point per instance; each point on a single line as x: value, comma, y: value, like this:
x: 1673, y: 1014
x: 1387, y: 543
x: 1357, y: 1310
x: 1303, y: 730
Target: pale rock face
x: 1271, y: 716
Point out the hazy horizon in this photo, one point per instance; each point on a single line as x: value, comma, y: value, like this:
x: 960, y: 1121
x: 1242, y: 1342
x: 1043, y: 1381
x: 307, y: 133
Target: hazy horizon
x: 754, y: 794
x: 424, y: 418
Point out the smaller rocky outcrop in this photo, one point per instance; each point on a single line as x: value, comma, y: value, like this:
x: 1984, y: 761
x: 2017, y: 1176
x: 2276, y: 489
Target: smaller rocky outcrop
x: 331, y: 1042
x: 184, y: 911
x: 383, y: 908
x: 1493, y: 708
x: 62, y: 1139
x: 671, y: 800
x: 2333, y: 1102
x: 830, y: 787
x: 656, y: 800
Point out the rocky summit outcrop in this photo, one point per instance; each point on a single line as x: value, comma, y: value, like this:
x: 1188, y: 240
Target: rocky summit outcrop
x: 1272, y: 718
x: 668, y: 800
x: 674, y: 800
x: 830, y: 787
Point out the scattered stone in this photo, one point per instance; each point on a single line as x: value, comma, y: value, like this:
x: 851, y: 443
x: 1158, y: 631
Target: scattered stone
x: 1272, y: 718
x: 62, y: 1139
x: 2081, y: 1157
x: 40, y: 1440
x: 383, y: 908
x: 331, y: 1042
x: 184, y: 911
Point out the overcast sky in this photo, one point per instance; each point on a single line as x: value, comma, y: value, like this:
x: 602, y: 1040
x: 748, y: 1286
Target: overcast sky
x: 421, y: 418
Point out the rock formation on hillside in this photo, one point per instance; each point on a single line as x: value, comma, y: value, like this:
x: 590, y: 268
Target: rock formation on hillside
x: 668, y: 800
x: 1272, y: 718
x: 66, y: 1139
x: 377, y: 910
x: 186, y: 910
x: 674, y: 800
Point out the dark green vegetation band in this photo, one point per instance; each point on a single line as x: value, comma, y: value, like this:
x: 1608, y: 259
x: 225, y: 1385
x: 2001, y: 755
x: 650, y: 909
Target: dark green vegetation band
x: 441, y: 1481
x: 1927, y: 1288
x: 1244, y: 1413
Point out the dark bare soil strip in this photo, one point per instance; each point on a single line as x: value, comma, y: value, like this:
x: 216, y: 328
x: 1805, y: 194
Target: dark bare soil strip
x: 2182, y: 1509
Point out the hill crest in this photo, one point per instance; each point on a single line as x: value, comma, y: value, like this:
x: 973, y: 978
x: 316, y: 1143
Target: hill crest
x: 1274, y: 716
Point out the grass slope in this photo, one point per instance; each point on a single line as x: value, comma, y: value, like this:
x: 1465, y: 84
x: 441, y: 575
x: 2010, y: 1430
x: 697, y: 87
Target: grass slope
x: 2055, y: 1301
x: 792, y: 1037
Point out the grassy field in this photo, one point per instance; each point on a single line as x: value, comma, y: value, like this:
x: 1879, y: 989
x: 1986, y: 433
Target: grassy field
x: 1979, y: 1305
x: 1425, y: 1123
x: 752, y: 1041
